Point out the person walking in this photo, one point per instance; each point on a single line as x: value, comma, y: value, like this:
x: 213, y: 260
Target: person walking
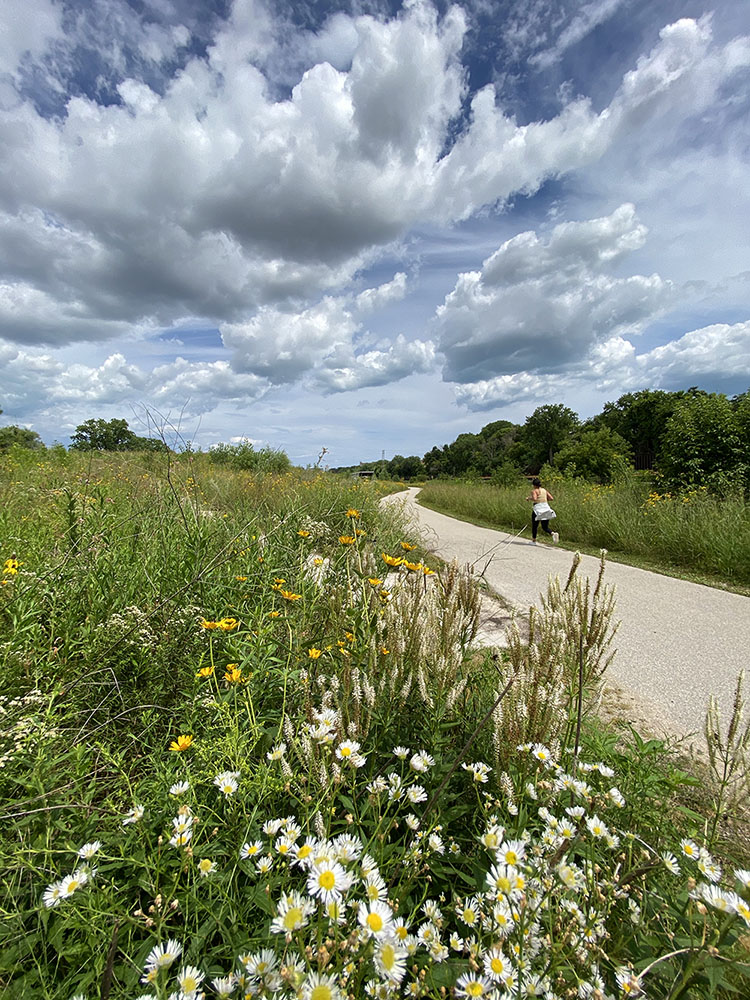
x: 541, y: 512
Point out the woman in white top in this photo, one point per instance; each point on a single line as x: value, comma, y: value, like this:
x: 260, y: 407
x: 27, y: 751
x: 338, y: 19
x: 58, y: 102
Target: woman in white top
x: 541, y: 512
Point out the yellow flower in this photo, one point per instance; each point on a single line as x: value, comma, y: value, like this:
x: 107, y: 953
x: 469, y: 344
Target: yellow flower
x: 391, y: 560
x: 289, y: 595
x: 181, y: 743
x: 10, y: 566
x: 427, y: 571
x: 314, y: 653
x: 384, y: 651
x: 279, y: 580
x: 414, y: 567
x: 346, y: 539
x: 241, y: 579
x: 303, y: 534
x: 206, y: 671
x: 352, y: 512
x: 227, y: 624
x: 318, y: 561
x: 233, y: 674
x: 207, y: 624
x: 374, y: 581
x: 359, y: 532
x: 273, y: 614
x: 407, y: 546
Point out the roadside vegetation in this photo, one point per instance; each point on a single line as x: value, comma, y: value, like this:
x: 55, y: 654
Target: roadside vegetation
x: 249, y: 750
x: 691, y: 531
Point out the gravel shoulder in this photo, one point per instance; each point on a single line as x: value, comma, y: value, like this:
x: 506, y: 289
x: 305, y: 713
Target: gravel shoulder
x: 678, y: 643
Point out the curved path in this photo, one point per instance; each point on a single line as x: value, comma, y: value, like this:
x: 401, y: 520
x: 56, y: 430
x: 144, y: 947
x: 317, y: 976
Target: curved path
x: 678, y: 642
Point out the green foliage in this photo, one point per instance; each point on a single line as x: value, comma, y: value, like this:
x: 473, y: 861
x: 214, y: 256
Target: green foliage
x: 545, y: 432
x: 598, y: 456
x: 111, y: 435
x: 407, y: 468
x: 20, y: 437
x: 243, y: 455
x: 705, y: 443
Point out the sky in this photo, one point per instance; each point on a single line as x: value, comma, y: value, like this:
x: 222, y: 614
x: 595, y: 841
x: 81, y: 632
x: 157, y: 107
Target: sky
x: 367, y: 225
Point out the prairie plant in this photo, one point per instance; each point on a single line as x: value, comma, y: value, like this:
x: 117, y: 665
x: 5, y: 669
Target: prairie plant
x: 728, y: 756
x: 561, y: 661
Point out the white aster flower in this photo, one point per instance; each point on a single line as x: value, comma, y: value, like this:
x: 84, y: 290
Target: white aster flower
x: 390, y: 960
x: 53, y: 894
x: 251, y: 850
x: 472, y: 984
x: 328, y: 880
x: 415, y: 794
x: 401, y: 752
x: 277, y: 752
x: 376, y: 919
x: 421, y: 761
x: 226, y: 782
x: 292, y: 914
x: 207, y: 867
x: 319, y: 986
x: 88, y: 851
x: 225, y: 985
x: 179, y: 788
x: 135, y: 814
x: 163, y: 955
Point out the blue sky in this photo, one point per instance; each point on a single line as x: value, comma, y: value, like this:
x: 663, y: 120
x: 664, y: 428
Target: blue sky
x: 368, y: 226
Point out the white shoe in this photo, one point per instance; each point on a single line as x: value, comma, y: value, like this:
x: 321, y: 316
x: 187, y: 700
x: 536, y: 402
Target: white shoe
x: 533, y: 541
x: 555, y: 536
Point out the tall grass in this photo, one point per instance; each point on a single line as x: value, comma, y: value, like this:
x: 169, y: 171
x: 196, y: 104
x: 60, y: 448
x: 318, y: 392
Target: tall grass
x: 691, y: 531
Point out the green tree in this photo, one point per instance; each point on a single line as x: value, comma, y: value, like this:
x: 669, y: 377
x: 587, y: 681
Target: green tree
x: 410, y: 467
x: 705, y: 444
x: 641, y: 418
x: 598, y: 455
x: 545, y: 432
x: 103, y: 435
x: 20, y: 436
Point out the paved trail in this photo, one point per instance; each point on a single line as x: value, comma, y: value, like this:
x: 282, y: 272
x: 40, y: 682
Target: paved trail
x: 678, y: 642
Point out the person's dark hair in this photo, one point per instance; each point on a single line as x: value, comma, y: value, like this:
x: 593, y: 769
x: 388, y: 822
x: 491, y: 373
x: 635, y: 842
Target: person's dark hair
x: 536, y: 482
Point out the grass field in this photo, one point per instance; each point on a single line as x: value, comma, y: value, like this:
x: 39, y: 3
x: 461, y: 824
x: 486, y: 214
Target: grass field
x: 248, y: 750
x: 692, y: 533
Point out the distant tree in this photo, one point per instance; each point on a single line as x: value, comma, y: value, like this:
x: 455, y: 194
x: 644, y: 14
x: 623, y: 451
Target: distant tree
x: 20, y: 436
x: 435, y: 462
x: 410, y: 467
x: 705, y: 444
x: 546, y: 431
x: 598, y: 455
x: 103, y: 435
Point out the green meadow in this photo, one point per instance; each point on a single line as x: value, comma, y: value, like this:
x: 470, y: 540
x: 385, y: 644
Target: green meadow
x: 249, y: 750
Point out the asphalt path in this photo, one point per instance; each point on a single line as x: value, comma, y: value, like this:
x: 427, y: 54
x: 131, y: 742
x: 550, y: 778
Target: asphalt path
x: 678, y: 642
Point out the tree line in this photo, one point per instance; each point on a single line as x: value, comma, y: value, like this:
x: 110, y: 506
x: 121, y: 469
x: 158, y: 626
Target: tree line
x: 691, y: 437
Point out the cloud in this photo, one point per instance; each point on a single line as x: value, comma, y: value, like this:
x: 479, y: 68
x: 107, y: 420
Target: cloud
x: 378, y: 367
x: 540, y: 305
x: 202, y: 195
x: 713, y: 355
x: 589, y: 17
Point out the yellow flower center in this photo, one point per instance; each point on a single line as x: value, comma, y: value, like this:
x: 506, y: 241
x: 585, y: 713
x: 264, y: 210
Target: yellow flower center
x: 374, y: 922
x: 388, y: 956
x: 292, y: 918
x: 346, y: 751
x: 326, y: 880
x: 474, y: 989
x: 321, y: 992
x: 497, y: 965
